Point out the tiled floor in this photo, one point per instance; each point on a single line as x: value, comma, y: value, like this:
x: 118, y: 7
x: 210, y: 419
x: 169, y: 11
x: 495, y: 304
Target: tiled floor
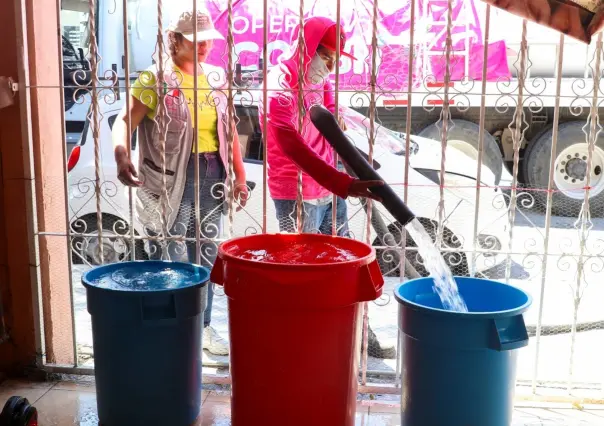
x: 73, y: 402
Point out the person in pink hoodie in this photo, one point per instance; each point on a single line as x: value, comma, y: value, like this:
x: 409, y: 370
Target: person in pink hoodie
x: 291, y: 148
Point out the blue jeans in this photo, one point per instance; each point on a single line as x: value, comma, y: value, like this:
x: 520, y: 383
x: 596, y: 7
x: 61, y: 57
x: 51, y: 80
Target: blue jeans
x: 211, y: 200
x: 317, y: 218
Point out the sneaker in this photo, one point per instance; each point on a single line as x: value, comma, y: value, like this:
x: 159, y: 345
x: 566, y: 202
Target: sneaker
x: 213, y: 343
x: 376, y: 350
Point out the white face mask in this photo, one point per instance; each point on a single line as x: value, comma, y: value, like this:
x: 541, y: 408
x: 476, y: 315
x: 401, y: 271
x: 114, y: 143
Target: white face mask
x: 317, y: 70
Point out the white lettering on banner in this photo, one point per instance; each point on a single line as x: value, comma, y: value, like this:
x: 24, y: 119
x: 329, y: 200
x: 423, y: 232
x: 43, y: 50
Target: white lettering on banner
x: 240, y: 29
x: 282, y: 46
x: 257, y: 24
x: 275, y: 24
x: 360, y: 66
x: 242, y: 24
x: 291, y: 22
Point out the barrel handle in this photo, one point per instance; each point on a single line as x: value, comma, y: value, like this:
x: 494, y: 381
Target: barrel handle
x: 157, y: 311
x: 217, y: 273
x: 508, y: 333
x: 371, y: 282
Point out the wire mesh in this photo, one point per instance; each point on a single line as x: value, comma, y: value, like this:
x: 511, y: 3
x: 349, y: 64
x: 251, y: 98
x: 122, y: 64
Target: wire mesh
x: 503, y: 170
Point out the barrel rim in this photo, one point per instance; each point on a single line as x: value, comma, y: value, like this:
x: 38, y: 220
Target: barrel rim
x: 361, y: 261
x: 87, y: 282
x: 470, y: 315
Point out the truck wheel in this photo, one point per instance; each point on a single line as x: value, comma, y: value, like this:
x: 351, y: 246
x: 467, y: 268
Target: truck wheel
x: 116, y: 241
x: 464, y: 136
x: 570, y: 170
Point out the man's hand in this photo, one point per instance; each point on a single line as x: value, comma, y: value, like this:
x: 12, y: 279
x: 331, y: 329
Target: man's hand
x: 241, y: 194
x: 360, y: 188
x: 126, y: 172
x: 342, y: 124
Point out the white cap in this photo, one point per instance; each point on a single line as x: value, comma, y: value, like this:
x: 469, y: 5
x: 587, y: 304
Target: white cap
x: 185, y: 25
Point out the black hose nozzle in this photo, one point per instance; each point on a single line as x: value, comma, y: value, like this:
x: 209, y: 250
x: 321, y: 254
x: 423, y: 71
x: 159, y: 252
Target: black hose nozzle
x: 326, y: 123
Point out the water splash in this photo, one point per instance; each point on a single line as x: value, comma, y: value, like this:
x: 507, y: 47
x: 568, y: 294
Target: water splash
x: 300, y: 254
x: 131, y: 278
x: 444, y: 283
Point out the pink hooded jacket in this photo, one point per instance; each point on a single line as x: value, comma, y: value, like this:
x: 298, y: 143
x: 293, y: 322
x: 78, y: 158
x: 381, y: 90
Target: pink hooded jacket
x: 288, y: 149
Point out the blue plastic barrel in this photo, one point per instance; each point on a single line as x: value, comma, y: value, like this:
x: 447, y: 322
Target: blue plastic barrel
x: 459, y: 369
x: 146, y: 327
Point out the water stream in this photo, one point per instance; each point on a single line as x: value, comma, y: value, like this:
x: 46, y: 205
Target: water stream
x: 444, y: 283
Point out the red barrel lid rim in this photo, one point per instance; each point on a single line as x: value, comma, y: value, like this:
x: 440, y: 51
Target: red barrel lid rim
x: 362, y: 260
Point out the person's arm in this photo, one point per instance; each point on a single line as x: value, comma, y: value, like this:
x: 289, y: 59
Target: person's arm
x: 241, y: 189
x: 281, y: 129
x: 238, y: 159
x: 127, y: 173
x: 143, y: 100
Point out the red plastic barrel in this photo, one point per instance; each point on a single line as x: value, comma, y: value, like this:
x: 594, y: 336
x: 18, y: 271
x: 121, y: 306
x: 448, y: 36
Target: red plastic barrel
x: 293, y: 321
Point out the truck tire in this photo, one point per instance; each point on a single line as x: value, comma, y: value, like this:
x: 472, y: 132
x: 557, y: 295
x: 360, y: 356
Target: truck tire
x: 464, y: 136
x: 569, y: 174
x: 116, y: 241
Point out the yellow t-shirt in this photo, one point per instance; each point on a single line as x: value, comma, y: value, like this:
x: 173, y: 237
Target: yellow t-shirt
x: 144, y: 89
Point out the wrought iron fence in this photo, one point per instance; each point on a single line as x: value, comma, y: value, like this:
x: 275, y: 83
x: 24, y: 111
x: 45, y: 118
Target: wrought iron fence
x: 502, y: 166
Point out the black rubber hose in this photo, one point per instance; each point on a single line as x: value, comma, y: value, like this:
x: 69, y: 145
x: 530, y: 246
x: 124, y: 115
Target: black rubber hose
x: 326, y: 123
x: 382, y: 230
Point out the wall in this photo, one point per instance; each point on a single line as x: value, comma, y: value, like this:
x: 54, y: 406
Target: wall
x: 15, y: 271
x: 32, y: 193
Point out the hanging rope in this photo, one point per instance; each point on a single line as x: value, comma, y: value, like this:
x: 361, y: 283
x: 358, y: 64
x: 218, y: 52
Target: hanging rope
x: 517, y: 137
x: 369, y: 202
x: 301, y: 113
x: 446, y: 115
x: 94, y: 121
x: 162, y: 122
x: 230, y: 117
x: 585, y: 215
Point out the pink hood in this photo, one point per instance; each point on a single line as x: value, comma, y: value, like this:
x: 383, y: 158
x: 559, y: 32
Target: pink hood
x: 314, y: 30
x: 290, y: 148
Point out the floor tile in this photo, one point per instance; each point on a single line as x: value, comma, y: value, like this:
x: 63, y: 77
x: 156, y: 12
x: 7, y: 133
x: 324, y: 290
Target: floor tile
x: 385, y: 409
x: 77, y: 383
x: 67, y: 407
x: 218, y: 398
x: 361, y: 419
x: 73, y: 403
x: 577, y: 415
x: 22, y: 383
x: 214, y: 413
x: 33, y: 391
x: 32, y: 394
x: 384, y: 419
x: 362, y: 407
x: 554, y: 417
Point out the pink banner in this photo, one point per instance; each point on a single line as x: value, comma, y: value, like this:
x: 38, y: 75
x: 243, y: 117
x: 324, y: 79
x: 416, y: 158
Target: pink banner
x: 393, y: 31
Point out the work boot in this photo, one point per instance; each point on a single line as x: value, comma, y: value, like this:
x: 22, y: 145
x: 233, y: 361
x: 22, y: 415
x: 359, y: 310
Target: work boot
x: 376, y: 350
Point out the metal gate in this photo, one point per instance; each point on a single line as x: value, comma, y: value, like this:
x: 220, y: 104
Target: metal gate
x: 497, y: 150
